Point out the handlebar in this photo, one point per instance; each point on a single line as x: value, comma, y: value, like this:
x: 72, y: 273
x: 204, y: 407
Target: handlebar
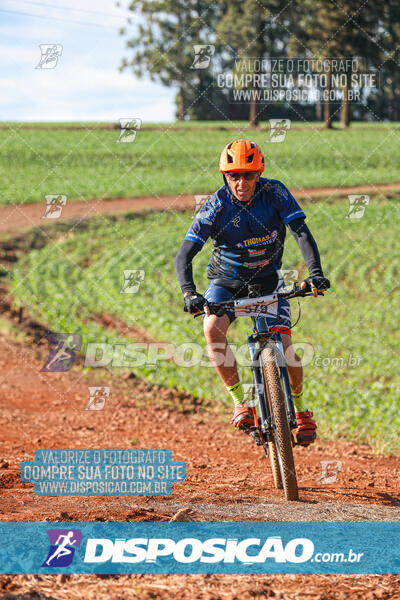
x: 297, y: 292
x: 220, y: 308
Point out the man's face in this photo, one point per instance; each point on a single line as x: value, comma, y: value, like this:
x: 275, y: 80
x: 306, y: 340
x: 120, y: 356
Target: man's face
x: 243, y: 184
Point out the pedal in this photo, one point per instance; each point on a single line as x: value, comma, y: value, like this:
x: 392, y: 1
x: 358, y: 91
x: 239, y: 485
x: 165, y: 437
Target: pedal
x: 296, y: 443
x: 255, y: 433
x: 248, y: 429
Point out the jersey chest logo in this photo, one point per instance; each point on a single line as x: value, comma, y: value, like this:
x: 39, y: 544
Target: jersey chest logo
x: 236, y: 221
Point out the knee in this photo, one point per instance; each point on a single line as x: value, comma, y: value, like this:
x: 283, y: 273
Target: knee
x: 214, y: 330
x: 292, y: 359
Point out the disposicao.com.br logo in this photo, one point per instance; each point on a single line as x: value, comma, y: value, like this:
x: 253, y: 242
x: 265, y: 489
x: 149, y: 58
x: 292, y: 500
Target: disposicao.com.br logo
x: 212, y: 550
x: 191, y: 553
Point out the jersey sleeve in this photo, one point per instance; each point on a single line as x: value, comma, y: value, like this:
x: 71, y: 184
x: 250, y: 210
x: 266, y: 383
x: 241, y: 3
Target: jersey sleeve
x: 205, y: 222
x: 285, y: 203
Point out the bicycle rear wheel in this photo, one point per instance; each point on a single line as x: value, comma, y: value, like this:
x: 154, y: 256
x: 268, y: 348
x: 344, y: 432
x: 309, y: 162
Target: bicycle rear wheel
x: 282, y: 441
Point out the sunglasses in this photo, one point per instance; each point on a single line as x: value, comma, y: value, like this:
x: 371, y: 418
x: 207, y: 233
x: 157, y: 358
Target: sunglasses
x: 249, y: 176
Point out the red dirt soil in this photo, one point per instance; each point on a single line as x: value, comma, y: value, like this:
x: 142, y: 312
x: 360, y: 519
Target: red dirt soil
x: 228, y: 477
x: 15, y: 217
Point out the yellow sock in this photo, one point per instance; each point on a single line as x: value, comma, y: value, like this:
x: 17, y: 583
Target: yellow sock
x: 236, y: 393
x: 299, y: 402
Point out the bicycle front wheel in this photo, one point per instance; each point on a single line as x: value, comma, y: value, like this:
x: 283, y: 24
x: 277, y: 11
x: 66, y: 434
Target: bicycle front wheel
x: 281, y: 431
x: 276, y: 470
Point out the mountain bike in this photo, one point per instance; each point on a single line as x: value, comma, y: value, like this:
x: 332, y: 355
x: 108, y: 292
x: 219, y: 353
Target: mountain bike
x: 271, y: 390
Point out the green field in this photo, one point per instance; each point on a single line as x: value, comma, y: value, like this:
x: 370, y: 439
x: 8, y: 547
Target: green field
x: 89, y: 163
x: 226, y: 124
x: 80, y: 274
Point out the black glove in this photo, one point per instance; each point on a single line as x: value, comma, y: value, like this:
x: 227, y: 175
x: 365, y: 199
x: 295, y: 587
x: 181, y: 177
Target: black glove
x: 319, y: 281
x: 194, y: 303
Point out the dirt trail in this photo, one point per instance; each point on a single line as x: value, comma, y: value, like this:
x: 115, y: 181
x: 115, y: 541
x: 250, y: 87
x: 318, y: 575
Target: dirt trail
x: 200, y: 587
x: 15, y: 217
x: 228, y: 479
x: 47, y: 410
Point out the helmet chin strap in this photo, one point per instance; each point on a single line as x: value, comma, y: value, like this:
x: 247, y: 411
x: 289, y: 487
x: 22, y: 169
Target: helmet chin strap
x: 229, y: 188
x: 233, y: 195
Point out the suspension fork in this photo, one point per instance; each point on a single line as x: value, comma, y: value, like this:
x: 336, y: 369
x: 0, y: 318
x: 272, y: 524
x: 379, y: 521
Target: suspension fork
x: 258, y: 382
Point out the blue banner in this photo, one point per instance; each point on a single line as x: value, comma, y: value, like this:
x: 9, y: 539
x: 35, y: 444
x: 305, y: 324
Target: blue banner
x: 103, y: 472
x: 236, y: 548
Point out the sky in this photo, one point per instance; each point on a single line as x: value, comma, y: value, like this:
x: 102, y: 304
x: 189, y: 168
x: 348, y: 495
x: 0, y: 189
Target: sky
x: 86, y: 84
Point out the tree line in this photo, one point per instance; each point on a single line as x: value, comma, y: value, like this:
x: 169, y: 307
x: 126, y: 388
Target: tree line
x: 163, y: 36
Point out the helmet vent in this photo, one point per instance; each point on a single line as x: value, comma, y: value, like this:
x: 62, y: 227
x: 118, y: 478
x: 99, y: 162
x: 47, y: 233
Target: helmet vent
x: 250, y: 158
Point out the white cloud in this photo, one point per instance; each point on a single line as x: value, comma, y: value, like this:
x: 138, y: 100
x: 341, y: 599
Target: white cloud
x: 12, y: 54
x: 86, y: 83
x: 52, y: 16
x: 154, y: 111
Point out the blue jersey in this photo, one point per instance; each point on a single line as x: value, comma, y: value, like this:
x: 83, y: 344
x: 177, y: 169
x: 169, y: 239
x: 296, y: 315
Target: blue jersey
x: 247, y: 240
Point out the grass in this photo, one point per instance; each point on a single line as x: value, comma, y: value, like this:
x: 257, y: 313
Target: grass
x: 189, y: 124
x: 11, y: 332
x: 90, y: 164
x: 80, y: 275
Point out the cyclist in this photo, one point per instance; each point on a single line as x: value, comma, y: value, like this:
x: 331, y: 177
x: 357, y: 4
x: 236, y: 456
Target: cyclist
x: 246, y: 219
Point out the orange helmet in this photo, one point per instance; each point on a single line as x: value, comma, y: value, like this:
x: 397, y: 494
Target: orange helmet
x: 241, y: 155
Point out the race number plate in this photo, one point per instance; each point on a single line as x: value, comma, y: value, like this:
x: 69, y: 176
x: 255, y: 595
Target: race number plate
x: 254, y: 307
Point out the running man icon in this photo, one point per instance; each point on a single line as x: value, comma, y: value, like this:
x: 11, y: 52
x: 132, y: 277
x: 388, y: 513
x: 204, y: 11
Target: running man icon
x: 62, y: 547
x: 50, y: 54
x: 62, y: 348
x: 202, y: 55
